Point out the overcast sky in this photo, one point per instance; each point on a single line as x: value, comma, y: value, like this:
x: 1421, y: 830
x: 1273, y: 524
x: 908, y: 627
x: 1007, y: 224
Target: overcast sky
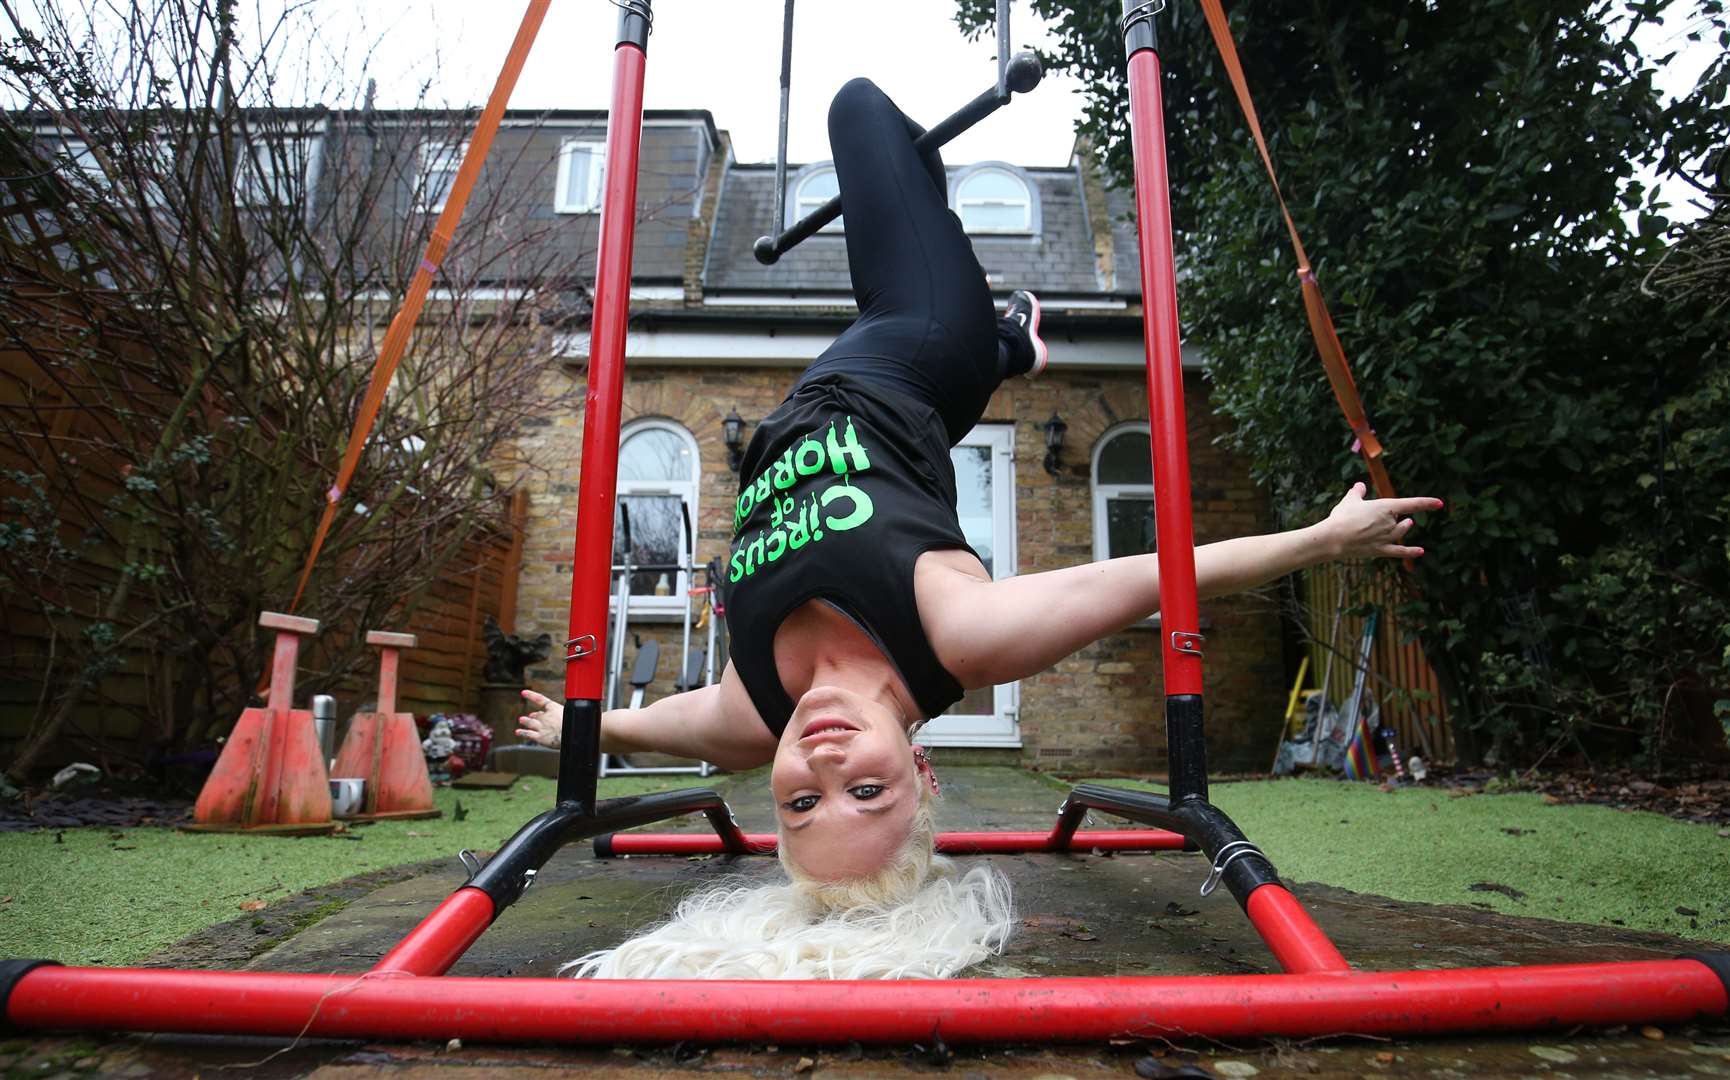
x: 725, y: 56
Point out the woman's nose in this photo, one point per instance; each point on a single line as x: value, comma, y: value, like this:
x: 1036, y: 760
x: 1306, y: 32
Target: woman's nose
x: 828, y: 754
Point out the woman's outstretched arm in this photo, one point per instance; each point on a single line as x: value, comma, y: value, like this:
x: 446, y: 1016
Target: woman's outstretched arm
x: 990, y: 632
x: 713, y: 723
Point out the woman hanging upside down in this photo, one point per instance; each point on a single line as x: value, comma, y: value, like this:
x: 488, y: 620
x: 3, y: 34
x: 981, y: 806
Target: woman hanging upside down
x: 856, y: 610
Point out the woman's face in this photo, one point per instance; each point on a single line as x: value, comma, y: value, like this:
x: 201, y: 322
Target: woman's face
x: 845, y: 784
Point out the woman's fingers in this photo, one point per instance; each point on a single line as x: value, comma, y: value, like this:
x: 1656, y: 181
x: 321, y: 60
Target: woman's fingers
x: 1408, y: 506
x: 539, y: 699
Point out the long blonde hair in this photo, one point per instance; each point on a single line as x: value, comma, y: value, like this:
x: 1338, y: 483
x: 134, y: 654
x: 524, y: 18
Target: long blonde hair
x: 916, y: 918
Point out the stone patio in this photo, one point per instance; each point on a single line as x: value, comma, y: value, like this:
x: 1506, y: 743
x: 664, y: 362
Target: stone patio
x: 1081, y: 914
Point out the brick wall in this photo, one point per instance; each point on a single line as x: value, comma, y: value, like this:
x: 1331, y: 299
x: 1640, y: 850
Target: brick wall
x: 1099, y: 709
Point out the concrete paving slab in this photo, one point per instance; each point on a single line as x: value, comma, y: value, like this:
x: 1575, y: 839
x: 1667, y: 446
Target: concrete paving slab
x: 1080, y: 914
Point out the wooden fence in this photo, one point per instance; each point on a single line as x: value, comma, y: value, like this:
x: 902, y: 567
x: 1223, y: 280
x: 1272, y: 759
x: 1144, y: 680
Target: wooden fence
x: 1400, y: 680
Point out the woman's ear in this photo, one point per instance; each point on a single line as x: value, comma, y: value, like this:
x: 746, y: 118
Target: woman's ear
x: 922, y: 764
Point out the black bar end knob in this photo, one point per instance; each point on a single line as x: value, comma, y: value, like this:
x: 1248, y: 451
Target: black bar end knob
x: 1024, y: 73
x: 765, y: 251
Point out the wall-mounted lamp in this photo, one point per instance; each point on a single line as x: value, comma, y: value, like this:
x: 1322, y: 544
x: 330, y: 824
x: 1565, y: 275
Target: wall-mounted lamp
x: 733, y: 434
x: 1054, y: 429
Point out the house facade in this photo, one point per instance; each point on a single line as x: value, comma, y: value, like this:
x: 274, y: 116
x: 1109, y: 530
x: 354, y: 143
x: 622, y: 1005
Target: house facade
x: 1056, y: 473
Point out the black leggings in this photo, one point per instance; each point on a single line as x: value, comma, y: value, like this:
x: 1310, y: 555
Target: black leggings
x: 927, y: 327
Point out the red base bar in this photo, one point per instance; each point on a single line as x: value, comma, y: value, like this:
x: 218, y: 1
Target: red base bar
x: 443, y: 936
x: 950, y: 843
x: 396, y: 1006
x: 1291, y: 935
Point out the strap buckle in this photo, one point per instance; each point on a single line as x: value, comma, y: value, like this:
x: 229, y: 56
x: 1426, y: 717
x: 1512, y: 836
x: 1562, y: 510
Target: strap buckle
x: 1186, y: 641
x: 580, y: 646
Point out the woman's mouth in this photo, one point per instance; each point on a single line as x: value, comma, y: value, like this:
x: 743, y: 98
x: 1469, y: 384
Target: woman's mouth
x: 826, y: 727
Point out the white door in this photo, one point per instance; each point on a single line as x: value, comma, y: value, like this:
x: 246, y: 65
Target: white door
x: 985, y: 489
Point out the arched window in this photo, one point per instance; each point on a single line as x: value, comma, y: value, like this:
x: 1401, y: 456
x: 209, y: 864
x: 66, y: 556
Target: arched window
x: 1123, y: 493
x: 811, y: 187
x: 658, y: 476
x: 994, y: 199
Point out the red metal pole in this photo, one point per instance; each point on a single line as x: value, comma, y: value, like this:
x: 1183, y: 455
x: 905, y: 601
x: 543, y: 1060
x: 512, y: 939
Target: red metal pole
x: 442, y: 937
x: 1177, y: 600
x: 1227, y: 1007
x: 591, y: 573
x: 591, y: 563
x: 1291, y: 935
x: 949, y: 843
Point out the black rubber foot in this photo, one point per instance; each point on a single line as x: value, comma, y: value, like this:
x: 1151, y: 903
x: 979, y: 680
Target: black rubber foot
x: 11, y: 971
x: 1719, y: 963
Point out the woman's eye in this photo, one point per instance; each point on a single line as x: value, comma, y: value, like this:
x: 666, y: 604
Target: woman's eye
x: 802, y: 803
x: 866, y: 791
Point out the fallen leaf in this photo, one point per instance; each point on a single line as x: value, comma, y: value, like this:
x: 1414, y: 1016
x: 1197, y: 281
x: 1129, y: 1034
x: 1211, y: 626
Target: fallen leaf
x: 1490, y: 886
x: 454, y: 1044
x: 1386, y: 1057
x: 1680, y: 910
x: 1656, y: 1034
x: 804, y: 1065
x: 252, y: 905
x: 1518, y: 832
x: 5, y: 899
x: 1175, y: 908
x: 1553, y: 800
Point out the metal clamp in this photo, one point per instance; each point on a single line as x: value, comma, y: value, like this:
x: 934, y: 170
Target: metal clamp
x: 471, y: 862
x: 1139, y: 13
x: 576, y: 650
x: 1086, y: 815
x: 1186, y: 641
x: 641, y: 9
x: 1223, y: 860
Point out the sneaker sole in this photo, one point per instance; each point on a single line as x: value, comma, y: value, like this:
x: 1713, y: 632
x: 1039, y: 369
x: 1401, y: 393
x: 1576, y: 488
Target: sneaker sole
x: 1041, y: 355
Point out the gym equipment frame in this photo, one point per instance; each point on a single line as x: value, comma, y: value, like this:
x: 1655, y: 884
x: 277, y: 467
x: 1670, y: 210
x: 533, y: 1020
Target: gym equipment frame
x: 403, y: 996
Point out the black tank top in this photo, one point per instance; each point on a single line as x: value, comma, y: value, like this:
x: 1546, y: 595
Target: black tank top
x: 843, y: 487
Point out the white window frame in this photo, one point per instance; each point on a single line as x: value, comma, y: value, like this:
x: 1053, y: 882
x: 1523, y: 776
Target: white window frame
x: 440, y: 149
x: 591, y: 203
x: 1002, y: 727
x: 79, y: 156
x: 800, y: 205
x: 672, y: 606
x: 1103, y: 493
x: 1026, y: 202
x: 270, y: 179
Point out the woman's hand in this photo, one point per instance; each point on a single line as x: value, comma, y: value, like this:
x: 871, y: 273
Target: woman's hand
x: 1361, y: 528
x: 545, y: 724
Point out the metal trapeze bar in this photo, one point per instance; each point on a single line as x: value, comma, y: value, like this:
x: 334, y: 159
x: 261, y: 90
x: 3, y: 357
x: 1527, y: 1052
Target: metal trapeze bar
x: 1023, y: 75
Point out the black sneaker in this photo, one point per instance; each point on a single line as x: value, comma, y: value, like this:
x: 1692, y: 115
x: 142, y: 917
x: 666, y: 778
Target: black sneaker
x: 1024, y: 309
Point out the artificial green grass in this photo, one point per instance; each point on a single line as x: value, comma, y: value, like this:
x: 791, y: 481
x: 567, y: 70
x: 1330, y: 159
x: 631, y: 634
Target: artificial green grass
x: 1577, y: 863
x: 113, y: 897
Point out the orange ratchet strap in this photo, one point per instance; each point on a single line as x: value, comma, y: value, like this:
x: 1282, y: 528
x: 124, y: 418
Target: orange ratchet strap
x: 396, y: 338
x: 1321, y: 323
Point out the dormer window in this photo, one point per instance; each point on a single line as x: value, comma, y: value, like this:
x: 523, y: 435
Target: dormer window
x: 439, y: 162
x: 582, y: 170
x: 812, y: 187
x: 994, y: 199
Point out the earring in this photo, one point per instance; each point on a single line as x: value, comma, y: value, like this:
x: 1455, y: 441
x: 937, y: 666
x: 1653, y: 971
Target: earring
x: 922, y: 762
